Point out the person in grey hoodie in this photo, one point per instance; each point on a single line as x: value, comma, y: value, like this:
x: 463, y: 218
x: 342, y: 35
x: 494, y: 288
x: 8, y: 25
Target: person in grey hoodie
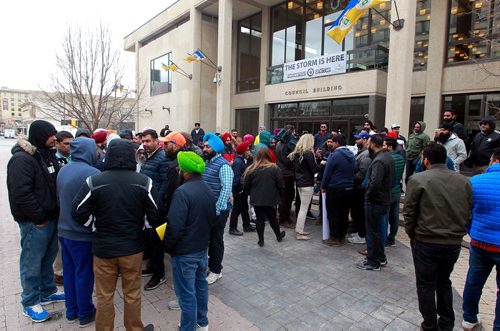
x: 75, y: 239
x: 455, y: 147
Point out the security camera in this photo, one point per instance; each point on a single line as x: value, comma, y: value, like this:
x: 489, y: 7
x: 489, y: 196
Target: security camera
x: 215, y: 79
x: 367, y: 116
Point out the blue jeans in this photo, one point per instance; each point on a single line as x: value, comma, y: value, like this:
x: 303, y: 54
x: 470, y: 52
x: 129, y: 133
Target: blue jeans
x: 393, y: 217
x: 481, y: 263
x: 77, y: 261
x: 38, y: 252
x: 376, y: 227
x: 189, y: 273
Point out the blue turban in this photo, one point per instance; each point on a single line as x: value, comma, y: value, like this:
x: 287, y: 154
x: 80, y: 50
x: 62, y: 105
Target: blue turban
x: 214, y: 141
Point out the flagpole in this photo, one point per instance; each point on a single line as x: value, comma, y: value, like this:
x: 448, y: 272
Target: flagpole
x: 215, y: 66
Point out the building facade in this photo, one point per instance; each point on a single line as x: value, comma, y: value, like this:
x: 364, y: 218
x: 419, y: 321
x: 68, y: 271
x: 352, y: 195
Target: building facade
x: 447, y: 55
x: 14, y: 113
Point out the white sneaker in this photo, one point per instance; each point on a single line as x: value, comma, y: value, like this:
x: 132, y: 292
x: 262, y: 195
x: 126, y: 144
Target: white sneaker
x: 356, y: 239
x: 470, y: 326
x: 202, y: 328
x: 213, y: 277
x: 173, y: 305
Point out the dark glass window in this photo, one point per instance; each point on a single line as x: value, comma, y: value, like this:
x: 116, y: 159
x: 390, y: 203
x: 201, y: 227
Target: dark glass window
x: 249, y: 41
x: 422, y: 27
x: 474, y: 30
x: 161, y: 80
x: 416, y: 111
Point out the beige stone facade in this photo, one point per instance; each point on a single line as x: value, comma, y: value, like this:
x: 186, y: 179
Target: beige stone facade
x: 388, y: 91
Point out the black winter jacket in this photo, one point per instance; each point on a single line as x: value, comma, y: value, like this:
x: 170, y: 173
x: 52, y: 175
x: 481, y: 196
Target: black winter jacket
x: 305, y: 169
x: 239, y: 166
x: 380, y: 179
x: 190, y: 218
x: 31, y: 184
x: 265, y: 186
x: 483, y: 146
x: 284, y: 163
x: 119, y: 198
x: 156, y: 168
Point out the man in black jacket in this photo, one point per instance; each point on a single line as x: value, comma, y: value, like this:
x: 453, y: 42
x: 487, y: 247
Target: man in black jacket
x: 156, y: 168
x: 31, y: 182
x: 285, y: 146
x: 380, y: 179
x: 119, y: 198
x: 186, y: 239
x: 240, y: 199
x: 483, y: 145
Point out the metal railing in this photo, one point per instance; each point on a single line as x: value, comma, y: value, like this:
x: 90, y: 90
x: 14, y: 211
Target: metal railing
x: 364, y: 58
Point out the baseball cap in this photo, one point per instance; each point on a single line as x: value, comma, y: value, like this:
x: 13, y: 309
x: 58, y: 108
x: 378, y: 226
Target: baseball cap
x: 362, y: 135
x: 395, y: 125
x: 174, y: 137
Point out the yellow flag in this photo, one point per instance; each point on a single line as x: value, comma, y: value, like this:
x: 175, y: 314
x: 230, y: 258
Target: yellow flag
x: 172, y: 67
x: 161, y: 230
x: 351, y: 14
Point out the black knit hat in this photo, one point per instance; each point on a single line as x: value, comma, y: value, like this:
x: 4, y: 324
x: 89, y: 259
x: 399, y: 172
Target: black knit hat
x: 447, y: 127
x: 39, y: 132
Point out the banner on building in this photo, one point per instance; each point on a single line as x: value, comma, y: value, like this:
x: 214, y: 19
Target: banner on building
x: 325, y: 65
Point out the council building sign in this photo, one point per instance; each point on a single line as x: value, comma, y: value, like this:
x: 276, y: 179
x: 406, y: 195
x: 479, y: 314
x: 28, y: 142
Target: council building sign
x: 325, y: 65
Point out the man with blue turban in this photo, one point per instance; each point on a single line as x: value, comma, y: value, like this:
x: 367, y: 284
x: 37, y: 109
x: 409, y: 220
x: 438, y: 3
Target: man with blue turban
x: 219, y: 177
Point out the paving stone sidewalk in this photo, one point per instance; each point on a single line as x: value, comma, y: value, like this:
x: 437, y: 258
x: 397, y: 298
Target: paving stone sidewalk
x: 293, y: 285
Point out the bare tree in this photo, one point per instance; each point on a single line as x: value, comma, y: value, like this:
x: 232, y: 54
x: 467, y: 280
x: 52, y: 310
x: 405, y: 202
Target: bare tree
x: 87, y: 83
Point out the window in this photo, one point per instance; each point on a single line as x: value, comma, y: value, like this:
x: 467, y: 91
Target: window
x: 161, y: 79
x: 416, y: 112
x: 422, y: 28
x: 299, y: 29
x: 474, y: 30
x: 249, y: 39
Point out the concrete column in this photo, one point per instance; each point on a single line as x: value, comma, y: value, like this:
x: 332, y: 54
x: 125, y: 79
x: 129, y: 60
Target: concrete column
x: 138, y: 89
x: 224, y: 50
x: 264, y: 62
x: 435, y: 64
x: 195, y: 18
x: 400, y: 72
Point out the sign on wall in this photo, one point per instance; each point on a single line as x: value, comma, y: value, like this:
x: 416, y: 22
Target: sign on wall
x: 325, y: 65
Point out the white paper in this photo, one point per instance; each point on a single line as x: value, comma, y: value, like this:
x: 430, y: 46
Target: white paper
x: 326, y: 225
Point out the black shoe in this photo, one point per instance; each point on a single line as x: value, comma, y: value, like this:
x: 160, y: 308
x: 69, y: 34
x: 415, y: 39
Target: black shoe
x: 253, y: 221
x: 382, y: 263
x: 281, y: 236
x: 154, y: 282
x: 249, y: 229
x: 261, y: 243
x: 149, y: 327
x: 364, y: 265
x: 84, y: 322
x: 390, y: 243
x: 147, y: 272
x: 235, y: 232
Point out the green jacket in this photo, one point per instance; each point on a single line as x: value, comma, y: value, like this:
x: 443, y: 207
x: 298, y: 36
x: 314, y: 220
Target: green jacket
x: 416, y: 143
x: 438, y: 205
x: 399, y: 167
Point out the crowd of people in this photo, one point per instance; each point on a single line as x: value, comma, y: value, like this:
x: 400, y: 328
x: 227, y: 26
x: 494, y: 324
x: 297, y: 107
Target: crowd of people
x: 89, y: 206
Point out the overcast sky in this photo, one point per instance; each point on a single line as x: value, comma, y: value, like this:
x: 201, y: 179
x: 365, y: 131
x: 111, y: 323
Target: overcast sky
x: 32, y: 31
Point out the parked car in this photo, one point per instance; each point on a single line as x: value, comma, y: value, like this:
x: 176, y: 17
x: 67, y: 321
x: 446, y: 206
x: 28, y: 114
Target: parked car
x: 10, y: 133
